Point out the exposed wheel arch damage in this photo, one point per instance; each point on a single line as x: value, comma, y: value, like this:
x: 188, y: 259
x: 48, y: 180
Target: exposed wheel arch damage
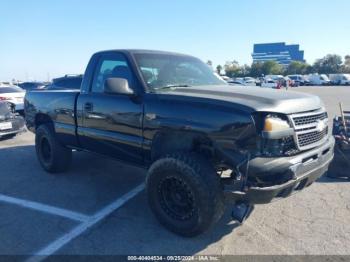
x: 165, y: 142
x: 41, y: 119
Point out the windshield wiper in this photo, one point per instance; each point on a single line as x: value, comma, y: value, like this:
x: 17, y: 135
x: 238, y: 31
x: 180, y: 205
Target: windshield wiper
x: 172, y: 86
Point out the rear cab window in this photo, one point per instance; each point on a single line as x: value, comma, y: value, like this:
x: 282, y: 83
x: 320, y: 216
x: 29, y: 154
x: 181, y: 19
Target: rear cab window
x: 69, y: 83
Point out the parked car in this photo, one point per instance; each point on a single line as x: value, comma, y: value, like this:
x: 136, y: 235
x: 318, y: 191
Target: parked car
x: 235, y: 83
x: 259, y: 81
x: 249, y: 81
x: 239, y: 79
x: 32, y: 85
x: 10, y: 123
x: 14, y: 95
x: 282, y: 81
x: 340, y: 79
x: 279, y: 81
x: 319, y: 80
x: 274, y: 77
x: 186, y: 126
x: 299, y: 80
x: 269, y: 83
x: 226, y: 78
x: 66, y: 82
x: 245, y: 81
x: 5, y: 83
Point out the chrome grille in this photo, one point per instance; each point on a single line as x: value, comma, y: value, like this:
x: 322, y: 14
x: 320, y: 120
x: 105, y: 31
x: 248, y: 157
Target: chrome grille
x: 311, y: 138
x: 311, y: 128
x: 304, y: 120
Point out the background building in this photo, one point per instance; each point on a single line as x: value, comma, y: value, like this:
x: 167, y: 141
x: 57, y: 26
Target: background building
x: 279, y: 52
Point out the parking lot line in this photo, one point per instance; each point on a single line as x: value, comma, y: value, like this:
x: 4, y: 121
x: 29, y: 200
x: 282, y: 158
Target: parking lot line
x: 44, y: 208
x: 81, y: 228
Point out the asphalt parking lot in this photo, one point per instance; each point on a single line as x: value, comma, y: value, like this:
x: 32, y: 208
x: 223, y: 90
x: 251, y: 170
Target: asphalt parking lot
x: 99, y: 207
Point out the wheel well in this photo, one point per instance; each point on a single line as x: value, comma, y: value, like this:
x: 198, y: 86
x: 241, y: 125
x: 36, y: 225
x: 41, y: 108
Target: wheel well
x: 42, y: 119
x: 170, y: 142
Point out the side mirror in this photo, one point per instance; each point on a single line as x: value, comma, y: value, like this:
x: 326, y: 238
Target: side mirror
x: 117, y: 85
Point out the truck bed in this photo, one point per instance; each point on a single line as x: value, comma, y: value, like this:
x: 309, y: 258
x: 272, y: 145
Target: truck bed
x: 59, y: 105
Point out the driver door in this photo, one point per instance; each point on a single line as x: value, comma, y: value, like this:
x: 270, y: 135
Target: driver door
x: 111, y: 123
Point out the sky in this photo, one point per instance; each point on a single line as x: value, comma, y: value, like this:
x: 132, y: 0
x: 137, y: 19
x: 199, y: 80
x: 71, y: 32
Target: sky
x: 43, y: 39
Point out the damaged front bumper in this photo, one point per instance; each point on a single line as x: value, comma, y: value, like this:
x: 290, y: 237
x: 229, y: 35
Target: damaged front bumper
x: 302, y: 170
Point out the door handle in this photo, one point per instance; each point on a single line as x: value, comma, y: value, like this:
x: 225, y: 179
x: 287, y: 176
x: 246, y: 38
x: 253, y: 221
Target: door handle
x: 88, y: 107
x: 95, y: 116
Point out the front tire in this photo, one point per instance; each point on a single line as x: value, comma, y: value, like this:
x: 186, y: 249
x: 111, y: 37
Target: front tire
x: 52, y: 156
x: 185, y: 193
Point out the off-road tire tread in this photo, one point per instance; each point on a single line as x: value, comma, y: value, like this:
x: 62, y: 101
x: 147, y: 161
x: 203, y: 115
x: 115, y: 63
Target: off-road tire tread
x: 62, y: 156
x: 206, y: 181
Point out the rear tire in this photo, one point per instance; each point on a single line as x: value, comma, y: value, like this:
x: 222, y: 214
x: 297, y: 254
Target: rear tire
x: 52, y: 156
x: 185, y: 193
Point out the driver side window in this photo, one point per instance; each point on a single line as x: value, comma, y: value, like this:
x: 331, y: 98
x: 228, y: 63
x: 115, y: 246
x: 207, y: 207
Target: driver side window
x: 114, y: 66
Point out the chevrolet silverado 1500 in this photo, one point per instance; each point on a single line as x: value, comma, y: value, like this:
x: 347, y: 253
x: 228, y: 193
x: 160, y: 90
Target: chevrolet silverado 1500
x: 205, y: 143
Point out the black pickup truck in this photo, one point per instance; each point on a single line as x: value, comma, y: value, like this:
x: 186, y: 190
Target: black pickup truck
x: 205, y: 143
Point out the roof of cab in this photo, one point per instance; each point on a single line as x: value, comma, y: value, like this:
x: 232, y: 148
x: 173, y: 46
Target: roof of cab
x: 141, y: 51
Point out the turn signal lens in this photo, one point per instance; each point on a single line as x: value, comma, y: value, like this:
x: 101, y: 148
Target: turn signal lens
x: 275, y: 124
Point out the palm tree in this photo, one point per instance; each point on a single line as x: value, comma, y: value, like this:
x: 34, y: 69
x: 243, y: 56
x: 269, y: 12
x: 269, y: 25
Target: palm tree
x: 218, y: 69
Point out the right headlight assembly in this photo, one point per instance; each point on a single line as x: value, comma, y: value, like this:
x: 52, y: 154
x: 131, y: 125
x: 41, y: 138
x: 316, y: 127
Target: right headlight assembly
x: 277, y: 136
x: 273, y: 124
x: 276, y: 128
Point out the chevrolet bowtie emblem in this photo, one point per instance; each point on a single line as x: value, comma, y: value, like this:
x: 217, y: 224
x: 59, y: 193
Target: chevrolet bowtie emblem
x: 321, y: 125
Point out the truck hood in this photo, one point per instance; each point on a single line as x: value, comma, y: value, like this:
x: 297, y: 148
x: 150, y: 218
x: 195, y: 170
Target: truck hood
x: 255, y: 98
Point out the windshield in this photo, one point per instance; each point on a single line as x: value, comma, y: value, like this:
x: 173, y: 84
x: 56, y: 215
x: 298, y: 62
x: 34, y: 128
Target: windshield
x: 164, y: 70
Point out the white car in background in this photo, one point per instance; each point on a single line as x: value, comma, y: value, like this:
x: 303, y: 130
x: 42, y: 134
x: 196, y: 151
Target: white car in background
x: 269, y: 83
x: 274, y: 77
x: 13, y: 95
x: 225, y: 78
x: 340, y: 79
x: 319, y: 80
x: 249, y: 81
x: 239, y: 79
x: 235, y: 83
x: 244, y: 81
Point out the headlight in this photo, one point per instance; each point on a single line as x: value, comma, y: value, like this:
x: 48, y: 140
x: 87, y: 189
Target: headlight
x: 276, y: 136
x: 273, y: 124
